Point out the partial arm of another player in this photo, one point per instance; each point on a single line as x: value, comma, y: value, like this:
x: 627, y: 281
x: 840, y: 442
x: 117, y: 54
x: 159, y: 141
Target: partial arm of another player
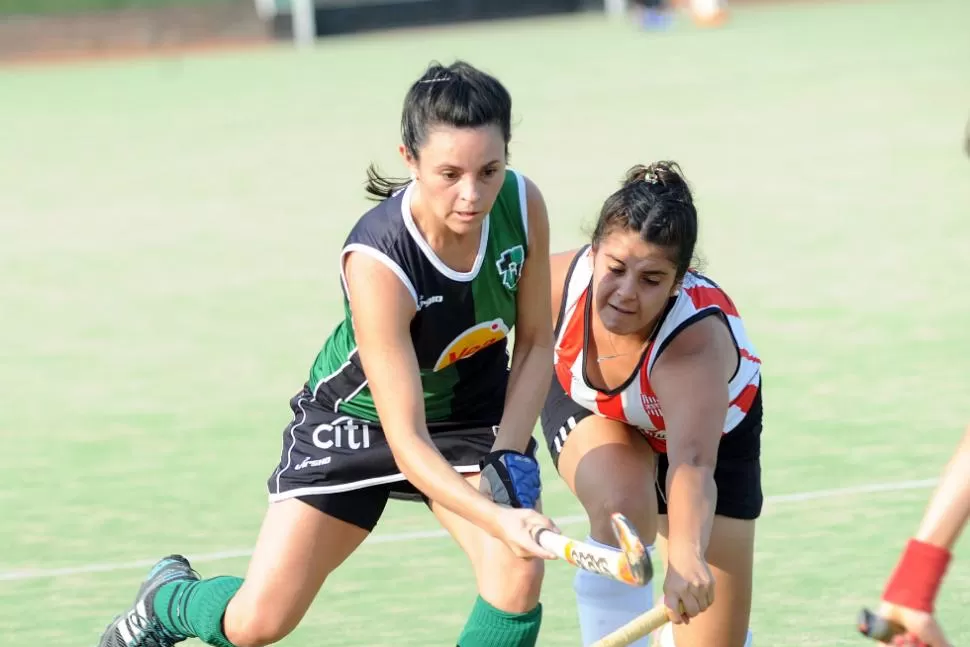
x: 949, y: 508
x: 911, y: 591
x: 691, y: 382
x: 382, y: 309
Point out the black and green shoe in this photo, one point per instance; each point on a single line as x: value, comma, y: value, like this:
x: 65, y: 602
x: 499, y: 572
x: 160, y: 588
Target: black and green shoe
x: 139, y: 626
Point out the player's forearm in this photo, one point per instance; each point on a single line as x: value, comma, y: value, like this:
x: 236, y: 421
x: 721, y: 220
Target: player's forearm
x: 691, y: 499
x: 949, y: 508
x: 529, y: 380
x: 916, y: 580
x: 424, y: 466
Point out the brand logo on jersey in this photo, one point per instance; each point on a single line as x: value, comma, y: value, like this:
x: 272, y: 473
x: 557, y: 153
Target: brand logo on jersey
x: 310, y: 462
x: 471, y: 341
x: 341, y: 433
x: 650, y: 404
x: 424, y: 302
x: 509, y: 266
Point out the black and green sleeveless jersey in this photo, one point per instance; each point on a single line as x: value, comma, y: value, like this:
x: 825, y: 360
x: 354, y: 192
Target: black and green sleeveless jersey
x: 462, y: 320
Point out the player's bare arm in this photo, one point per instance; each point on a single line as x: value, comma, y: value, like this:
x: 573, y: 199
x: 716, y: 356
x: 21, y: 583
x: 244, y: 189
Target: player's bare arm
x: 691, y: 381
x: 531, y: 368
x: 949, y: 508
x: 383, y: 309
x: 910, y: 593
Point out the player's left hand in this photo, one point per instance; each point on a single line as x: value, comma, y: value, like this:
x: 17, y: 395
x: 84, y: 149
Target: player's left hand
x: 688, y: 586
x: 511, y: 478
x: 922, y: 629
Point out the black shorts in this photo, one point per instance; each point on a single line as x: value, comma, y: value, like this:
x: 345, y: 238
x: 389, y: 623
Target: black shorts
x: 737, y: 473
x: 343, y: 466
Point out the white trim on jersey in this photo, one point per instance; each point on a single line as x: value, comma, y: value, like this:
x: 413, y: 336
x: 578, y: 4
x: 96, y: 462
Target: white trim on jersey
x: 353, y: 394
x: 397, y: 477
x: 384, y: 259
x: 523, y: 203
x: 301, y: 405
x: 425, y: 248
x: 340, y: 369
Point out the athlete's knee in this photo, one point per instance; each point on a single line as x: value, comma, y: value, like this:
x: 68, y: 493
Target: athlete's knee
x: 514, y: 585
x: 634, y: 502
x: 260, y: 630
x: 250, y: 622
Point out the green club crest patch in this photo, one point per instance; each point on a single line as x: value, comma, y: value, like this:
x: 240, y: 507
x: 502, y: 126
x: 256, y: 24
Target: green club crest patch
x: 509, y: 266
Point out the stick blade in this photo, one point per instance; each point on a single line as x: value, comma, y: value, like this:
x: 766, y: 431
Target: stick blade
x: 638, y: 570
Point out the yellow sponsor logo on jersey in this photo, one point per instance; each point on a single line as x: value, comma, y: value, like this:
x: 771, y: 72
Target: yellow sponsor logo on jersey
x: 471, y: 341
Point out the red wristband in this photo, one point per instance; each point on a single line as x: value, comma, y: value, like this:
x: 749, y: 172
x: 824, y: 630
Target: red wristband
x: 918, y: 576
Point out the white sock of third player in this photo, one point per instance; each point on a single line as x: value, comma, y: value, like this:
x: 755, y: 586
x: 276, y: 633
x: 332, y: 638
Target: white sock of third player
x: 606, y: 605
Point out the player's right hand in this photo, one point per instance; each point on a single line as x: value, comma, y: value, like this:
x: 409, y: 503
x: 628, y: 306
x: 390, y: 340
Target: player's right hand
x: 688, y: 586
x: 515, y: 527
x: 921, y: 627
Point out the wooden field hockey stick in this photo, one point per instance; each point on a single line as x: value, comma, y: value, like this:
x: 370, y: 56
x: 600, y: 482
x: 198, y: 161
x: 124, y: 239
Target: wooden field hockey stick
x: 631, y: 564
x: 878, y: 628
x: 643, y: 625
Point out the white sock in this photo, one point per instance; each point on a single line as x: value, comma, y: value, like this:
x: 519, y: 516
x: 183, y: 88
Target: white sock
x: 605, y: 604
x: 666, y: 637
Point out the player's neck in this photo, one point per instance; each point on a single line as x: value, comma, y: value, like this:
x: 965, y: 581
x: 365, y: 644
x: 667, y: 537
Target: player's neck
x: 457, y: 250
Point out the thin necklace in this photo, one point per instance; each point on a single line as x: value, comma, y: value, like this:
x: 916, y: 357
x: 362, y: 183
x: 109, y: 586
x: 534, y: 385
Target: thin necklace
x: 603, y: 358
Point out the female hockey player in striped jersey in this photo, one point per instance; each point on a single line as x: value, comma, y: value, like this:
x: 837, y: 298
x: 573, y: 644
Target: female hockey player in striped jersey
x: 411, y: 395
x: 655, y: 411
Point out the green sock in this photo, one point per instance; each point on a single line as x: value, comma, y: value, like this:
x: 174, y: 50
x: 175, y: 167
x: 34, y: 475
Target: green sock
x: 195, y: 609
x: 490, y: 627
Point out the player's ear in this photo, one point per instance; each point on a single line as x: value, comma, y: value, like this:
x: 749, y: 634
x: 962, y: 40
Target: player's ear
x: 409, y: 160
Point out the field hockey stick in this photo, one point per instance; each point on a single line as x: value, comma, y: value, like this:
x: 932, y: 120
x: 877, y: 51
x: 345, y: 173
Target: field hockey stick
x: 631, y: 564
x: 643, y: 625
x: 878, y: 628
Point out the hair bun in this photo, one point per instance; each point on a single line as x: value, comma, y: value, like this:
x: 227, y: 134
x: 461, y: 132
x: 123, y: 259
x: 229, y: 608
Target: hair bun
x: 665, y: 173
x: 636, y: 174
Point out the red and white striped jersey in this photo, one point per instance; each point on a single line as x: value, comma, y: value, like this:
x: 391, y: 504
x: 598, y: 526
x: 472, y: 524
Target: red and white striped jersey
x: 635, y: 402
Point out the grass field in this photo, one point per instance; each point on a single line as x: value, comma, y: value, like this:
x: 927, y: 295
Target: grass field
x: 168, y: 240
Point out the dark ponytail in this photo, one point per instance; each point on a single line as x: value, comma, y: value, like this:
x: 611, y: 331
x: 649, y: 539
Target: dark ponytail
x: 460, y: 96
